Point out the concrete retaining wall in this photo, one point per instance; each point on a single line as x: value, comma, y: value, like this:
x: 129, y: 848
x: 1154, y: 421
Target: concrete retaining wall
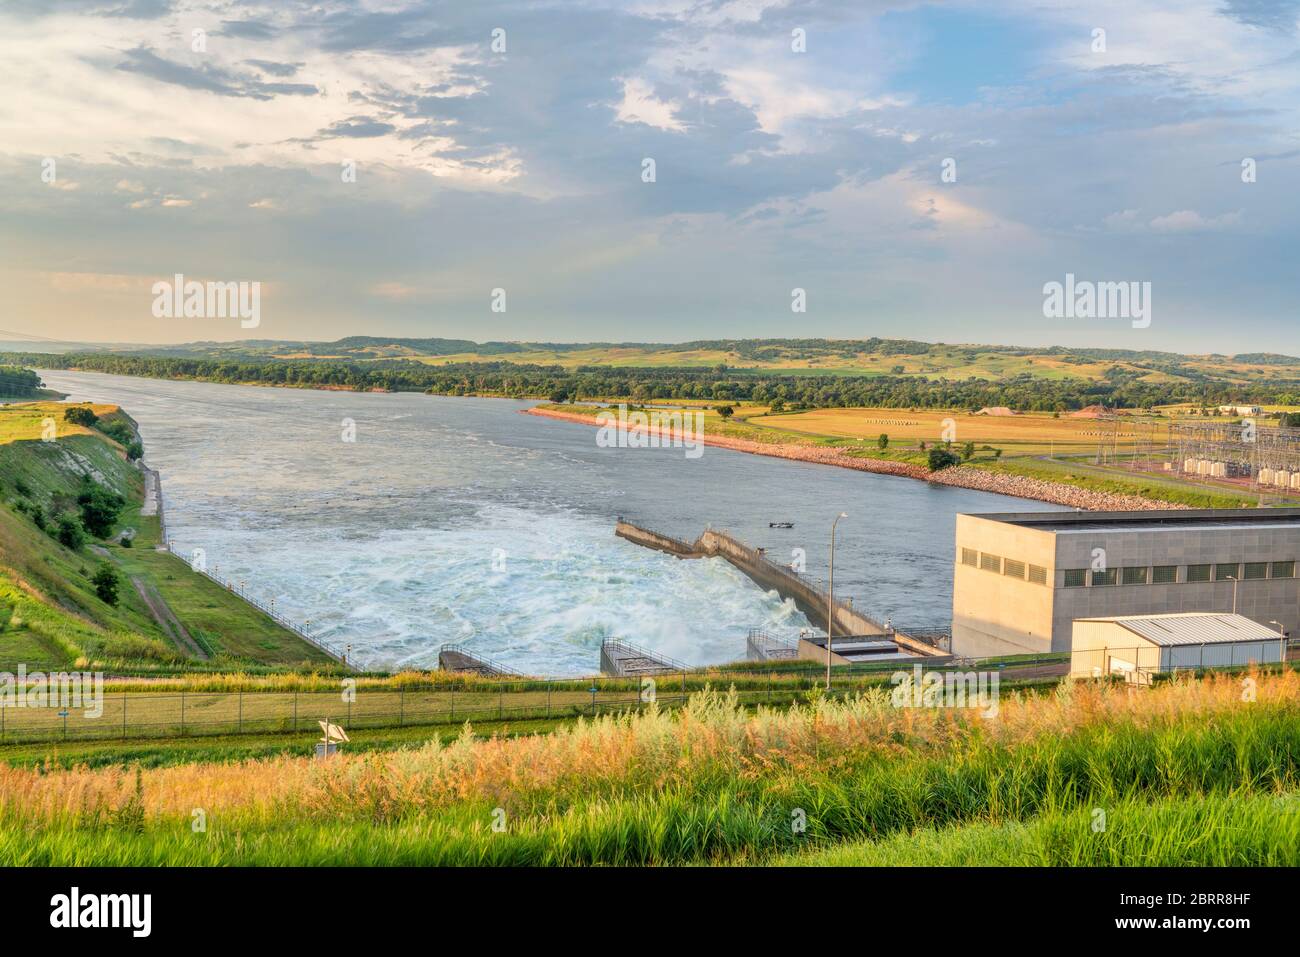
x: 768, y: 575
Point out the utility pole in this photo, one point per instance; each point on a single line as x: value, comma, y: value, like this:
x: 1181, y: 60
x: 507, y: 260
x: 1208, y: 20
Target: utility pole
x: 830, y: 601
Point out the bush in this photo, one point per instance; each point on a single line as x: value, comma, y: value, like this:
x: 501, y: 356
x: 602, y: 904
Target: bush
x: 106, y: 582
x: 942, y: 459
x: 725, y: 411
x: 134, y: 451
x: 81, y: 415
x: 100, y: 508
x: 118, y: 431
x: 69, y: 532
x: 882, y: 443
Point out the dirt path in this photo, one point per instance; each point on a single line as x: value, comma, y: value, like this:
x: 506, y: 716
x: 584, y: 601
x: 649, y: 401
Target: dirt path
x: 1003, y: 484
x: 167, y: 619
x: 161, y: 611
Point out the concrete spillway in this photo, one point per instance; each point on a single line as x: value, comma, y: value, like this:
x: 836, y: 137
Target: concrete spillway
x: 809, y: 599
x: 456, y: 658
x: 624, y: 659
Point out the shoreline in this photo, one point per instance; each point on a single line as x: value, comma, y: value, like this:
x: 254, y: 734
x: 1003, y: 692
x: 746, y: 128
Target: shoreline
x: 1015, y: 486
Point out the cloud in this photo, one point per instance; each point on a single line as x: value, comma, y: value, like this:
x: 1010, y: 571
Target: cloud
x: 639, y: 105
x: 209, y: 78
x: 522, y: 168
x: 1188, y: 220
x: 1277, y: 15
x: 358, y: 127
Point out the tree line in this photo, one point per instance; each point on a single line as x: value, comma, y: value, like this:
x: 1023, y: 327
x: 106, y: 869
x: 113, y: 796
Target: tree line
x: 784, y: 390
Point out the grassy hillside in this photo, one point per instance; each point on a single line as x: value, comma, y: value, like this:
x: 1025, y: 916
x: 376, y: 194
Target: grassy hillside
x: 855, y: 778
x: 50, y: 612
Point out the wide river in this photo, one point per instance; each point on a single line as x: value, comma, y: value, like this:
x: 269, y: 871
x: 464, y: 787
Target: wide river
x: 456, y: 519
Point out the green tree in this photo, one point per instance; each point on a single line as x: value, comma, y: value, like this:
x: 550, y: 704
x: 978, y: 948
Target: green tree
x: 882, y: 443
x: 69, y: 532
x: 725, y: 411
x: 100, y: 508
x: 967, y: 451
x: 81, y: 415
x: 106, y: 582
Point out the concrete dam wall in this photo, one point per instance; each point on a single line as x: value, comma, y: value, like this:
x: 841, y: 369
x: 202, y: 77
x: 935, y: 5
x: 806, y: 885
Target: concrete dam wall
x: 769, y: 575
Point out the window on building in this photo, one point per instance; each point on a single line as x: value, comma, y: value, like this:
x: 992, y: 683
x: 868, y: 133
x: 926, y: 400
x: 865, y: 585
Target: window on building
x: 1255, y: 570
x: 1135, y: 576
x: 970, y: 556
x: 1038, y: 574
x: 990, y: 563
x: 1013, y: 569
x: 1284, y: 569
x: 1108, y: 577
x: 1223, y: 572
x: 1076, y: 577
x: 1198, y: 573
x: 1164, y: 574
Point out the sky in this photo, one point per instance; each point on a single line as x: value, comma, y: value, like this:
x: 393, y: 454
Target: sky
x: 917, y: 170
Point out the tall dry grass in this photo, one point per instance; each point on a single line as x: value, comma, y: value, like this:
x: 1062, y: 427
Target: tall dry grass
x: 711, y: 739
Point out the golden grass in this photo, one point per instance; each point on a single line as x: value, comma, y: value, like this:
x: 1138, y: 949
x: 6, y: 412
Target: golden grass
x: 1030, y: 433
x: 22, y: 421
x: 651, y: 750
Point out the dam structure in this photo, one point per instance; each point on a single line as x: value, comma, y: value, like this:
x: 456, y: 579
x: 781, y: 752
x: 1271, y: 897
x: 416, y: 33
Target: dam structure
x: 808, y: 597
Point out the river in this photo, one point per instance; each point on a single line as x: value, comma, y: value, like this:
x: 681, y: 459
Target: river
x: 459, y: 519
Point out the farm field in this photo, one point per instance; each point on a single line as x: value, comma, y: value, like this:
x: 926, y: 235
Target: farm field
x: 1026, y: 434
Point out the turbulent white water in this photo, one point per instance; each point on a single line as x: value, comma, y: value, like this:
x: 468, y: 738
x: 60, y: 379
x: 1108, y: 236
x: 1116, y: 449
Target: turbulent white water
x: 461, y: 520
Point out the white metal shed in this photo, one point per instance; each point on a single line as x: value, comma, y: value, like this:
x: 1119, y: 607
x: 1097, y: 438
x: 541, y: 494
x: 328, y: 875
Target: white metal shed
x: 1140, y: 645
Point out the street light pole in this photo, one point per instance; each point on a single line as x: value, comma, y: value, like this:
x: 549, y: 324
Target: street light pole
x: 1281, y: 643
x: 1234, y: 593
x: 830, y: 601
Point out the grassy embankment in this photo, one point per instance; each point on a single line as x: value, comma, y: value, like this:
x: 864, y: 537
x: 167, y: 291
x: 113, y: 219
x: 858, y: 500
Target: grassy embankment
x: 1187, y: 772
x: 1035, y: 446
x: 182, y: 708
x: 52, y: 616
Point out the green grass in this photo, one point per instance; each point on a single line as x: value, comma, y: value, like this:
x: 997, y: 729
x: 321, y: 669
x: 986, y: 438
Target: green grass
x: 1258, y: 830
x: 214, y: 615
x: 132, y: 711
x: 1082, y: 475
x: 1205, y: 786
x: 56, y: 619
x: 170, y: 752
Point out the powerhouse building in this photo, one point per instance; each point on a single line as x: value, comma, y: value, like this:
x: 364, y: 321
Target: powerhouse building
x: 1021, y: 578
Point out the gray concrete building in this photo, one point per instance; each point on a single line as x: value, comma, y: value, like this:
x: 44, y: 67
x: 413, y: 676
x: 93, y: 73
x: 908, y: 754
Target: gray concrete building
x: 1021, y: 578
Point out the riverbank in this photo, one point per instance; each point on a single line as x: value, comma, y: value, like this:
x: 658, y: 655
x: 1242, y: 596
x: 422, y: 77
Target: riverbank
x: 978, y: 479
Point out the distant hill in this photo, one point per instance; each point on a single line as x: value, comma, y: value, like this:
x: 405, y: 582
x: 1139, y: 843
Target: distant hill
x: 831, y: 357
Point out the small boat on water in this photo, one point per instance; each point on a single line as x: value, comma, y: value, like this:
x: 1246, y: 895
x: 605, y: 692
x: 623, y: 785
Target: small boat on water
x: 780, y: 524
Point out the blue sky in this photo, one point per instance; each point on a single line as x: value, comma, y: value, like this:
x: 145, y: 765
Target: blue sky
x: 219, y: 156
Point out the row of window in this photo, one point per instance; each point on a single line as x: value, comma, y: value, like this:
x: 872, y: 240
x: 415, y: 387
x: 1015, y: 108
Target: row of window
x: 1168, y: 574
x: 1129, y: 575
x: 1004, y: 566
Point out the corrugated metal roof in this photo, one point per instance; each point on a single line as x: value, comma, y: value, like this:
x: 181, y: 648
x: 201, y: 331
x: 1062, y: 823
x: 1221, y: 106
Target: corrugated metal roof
x: 1193, y: 628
